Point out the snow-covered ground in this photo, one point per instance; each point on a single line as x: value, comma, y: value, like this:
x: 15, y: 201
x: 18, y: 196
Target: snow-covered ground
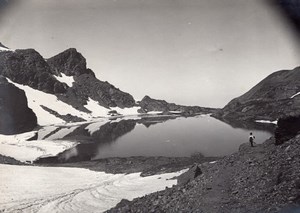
x: 265, y: 121
x: 293, y: 96
x: 69, y: 80
x: 93, y: 127
x: 36, y: 99
x: 96, y: 109
x: 18, y: 147
x: 58, y: 189
x: 5, y: 49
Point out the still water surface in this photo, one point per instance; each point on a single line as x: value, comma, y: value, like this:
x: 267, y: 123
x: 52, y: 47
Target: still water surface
x: 176, y: 137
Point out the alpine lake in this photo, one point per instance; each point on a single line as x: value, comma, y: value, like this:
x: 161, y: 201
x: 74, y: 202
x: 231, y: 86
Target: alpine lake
x: 168, y: 136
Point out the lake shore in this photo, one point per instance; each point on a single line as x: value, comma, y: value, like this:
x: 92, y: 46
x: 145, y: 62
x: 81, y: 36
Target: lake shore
x: 264, y: 178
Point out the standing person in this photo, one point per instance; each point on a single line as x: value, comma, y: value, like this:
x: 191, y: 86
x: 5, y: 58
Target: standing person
x: 251, y: 139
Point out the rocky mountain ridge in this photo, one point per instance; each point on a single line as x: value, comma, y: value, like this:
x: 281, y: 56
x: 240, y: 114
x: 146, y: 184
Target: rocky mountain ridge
x: 275, y: 96
x: 66, y: 80
x: 148, y: 104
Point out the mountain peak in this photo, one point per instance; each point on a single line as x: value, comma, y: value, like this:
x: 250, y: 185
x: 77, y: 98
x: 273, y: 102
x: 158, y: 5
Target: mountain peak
x: 1, y: 45
x: 69, y: 62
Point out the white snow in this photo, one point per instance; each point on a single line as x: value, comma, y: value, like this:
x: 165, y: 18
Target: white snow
x: 57, y: 189
x: 176, y: 112
x: 61, y: 133
x: 96, y: 109
x: 69, y: 80
x: 298, y: 93
x: 37, y: 98
x: 42, y: 133
x: 154, y: 112
x: 93, y: 127
x: 266, y: 121
x: 18, y: 147
x: 5, y: 49
x: 127, y: 111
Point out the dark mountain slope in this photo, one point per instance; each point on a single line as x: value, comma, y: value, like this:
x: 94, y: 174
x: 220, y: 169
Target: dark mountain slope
x: 270, y: 99
x: 15, y: 116
x: 149, y: 104
x: 29, y: 68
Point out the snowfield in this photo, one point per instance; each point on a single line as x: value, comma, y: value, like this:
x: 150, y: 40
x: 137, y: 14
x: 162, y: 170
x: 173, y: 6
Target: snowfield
x: 18, y: 147
x: 266, y: 122
x: 58, y: 189
x: 5, y: 49
x: 293, y: 96
x: 36, y: 99
x: 69, y: 80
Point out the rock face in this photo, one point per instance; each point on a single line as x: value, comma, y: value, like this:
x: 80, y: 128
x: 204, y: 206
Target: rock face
x: 287, y: 128
x: 29, y: 68
x: 273, y: 97
x: 15, y: 116
x: 190, y: 175
x: 149, y: 104
x: 1, y: 45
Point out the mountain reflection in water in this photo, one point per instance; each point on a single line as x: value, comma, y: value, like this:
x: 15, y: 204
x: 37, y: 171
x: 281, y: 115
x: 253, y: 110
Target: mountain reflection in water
x: 156, y: 136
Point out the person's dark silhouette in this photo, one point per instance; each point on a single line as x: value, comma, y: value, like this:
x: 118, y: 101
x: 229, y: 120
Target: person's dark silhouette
x: 251, y: 139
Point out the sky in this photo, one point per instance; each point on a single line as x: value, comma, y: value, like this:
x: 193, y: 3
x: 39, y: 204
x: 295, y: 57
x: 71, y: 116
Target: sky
x: 192, y: 52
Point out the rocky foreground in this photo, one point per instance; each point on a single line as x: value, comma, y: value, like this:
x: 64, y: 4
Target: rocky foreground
x: 265, y: 178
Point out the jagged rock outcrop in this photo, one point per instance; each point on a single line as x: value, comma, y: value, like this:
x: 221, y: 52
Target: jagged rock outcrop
x: 69, y: 62
x: 106, y: 94
x: 287, y: 128
x: 273, y: 97
x: 149, y: 104
x: 1, y: 45
x: 15, y: 116
x: 28, y: 67
x: 86, y: 85
x: 189, y: 176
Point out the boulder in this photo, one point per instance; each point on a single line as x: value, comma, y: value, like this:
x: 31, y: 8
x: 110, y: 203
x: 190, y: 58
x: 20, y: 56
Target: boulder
x: 190, y: 175
x: 287, y: 128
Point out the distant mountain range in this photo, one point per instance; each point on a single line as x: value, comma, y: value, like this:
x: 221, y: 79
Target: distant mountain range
x: 62, y: 89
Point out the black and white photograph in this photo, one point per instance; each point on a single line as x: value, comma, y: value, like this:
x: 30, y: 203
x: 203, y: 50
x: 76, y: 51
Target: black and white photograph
x: 150, y: 106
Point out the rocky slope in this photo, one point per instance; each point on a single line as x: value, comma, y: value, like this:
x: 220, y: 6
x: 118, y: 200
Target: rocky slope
x: 265, y: 178
x: 15, y: 116
x: 274, y: 97
x: 148, y: 104
x: 65, y: 90
x: 28, y: 67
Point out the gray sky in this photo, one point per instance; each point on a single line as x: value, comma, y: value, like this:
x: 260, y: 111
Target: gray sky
x: 194, y: 52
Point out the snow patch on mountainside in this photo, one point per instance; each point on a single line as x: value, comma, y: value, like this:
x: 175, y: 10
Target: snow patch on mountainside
x: 96, y: 109
x: 46, y: 130
x: 298, y: 93
x: 5, y: 49
x: 18, y: 147
x: 37, y: 98
x: 69, y: 80
x: 265, y: 121
x: 93, y: 127
x: 127, y: 111
x: 61, y: 133
x: 58, y: 189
